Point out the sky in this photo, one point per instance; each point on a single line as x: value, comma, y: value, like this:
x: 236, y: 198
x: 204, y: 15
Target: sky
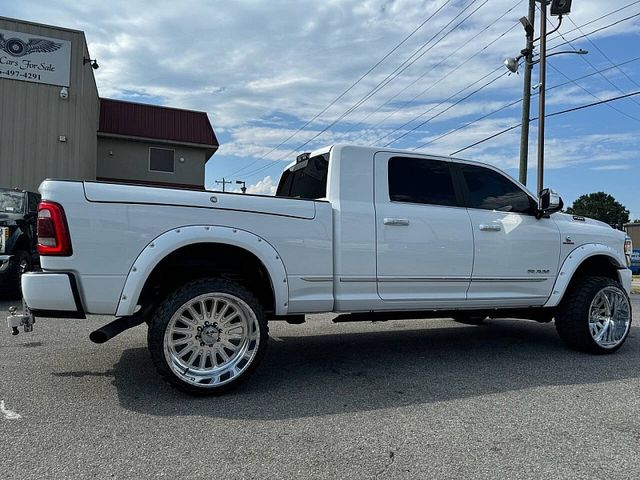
x: 278, y: 78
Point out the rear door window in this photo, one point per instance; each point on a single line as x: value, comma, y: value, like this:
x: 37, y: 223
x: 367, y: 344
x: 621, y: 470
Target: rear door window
x: 421, y: 180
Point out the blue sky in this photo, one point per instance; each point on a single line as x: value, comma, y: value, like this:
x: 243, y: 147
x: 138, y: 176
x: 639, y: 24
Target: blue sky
x: 262, y: 70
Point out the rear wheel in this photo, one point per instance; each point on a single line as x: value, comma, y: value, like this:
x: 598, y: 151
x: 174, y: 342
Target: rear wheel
x: 208, y: 336
x: 595, y: 316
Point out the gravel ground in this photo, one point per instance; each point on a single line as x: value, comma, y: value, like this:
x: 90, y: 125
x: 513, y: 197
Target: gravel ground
x: 401, y: 399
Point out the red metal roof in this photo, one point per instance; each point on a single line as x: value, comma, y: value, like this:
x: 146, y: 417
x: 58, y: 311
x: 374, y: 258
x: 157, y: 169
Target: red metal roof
x: 118, y: 117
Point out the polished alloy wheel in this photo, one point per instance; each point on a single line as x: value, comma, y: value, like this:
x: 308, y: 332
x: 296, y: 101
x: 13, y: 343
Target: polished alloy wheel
x: 609, y: 317
x: 211, y: 339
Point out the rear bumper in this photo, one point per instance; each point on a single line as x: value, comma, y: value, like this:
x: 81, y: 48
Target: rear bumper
x: 625, y: 275
x: 53, y: 295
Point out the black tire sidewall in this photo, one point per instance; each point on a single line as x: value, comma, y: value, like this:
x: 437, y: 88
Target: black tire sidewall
x: 16, y: 276
x: 572, y: 319
x: 162, y: 315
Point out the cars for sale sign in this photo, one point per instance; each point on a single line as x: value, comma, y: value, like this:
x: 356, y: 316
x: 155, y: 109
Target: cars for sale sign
x: 32, y: 58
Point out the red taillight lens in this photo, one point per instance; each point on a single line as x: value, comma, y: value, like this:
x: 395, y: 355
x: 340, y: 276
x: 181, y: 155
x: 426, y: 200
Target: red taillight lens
x: 53, y: 233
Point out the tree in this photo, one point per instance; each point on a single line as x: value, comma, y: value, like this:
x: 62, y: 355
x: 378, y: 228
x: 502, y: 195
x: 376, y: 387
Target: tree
x: 600, y: 206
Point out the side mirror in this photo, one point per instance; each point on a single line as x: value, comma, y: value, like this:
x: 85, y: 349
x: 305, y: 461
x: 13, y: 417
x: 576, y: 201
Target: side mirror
x: 550, y: 202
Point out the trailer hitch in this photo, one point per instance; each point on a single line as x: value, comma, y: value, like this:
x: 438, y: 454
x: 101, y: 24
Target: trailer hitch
x: 23, y: 319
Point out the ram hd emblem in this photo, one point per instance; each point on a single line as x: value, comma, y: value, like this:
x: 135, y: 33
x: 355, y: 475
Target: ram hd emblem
x: 18, y: 48
x: 538, y: 271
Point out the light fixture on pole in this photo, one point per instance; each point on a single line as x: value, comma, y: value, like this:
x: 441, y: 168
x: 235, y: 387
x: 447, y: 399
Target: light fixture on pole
x: 243, y: 188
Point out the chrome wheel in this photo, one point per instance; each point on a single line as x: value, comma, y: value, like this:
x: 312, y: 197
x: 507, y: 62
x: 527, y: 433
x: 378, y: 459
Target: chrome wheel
x: 609, y: 317
x: 211, y: 339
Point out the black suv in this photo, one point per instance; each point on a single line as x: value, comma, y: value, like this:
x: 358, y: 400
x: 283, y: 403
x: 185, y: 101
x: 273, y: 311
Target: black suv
x: 18, y: 219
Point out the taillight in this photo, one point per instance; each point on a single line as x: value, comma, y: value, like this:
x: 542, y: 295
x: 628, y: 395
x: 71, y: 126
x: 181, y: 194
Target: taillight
x: 53, y: 232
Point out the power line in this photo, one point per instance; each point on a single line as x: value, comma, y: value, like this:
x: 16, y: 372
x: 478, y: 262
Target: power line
x: 419, y: 53
x: 432, y: 85
x: 490, y: 82
x: 394, y: 74
x: 362, y: 77
x: 515, y: 102
x: 555, y: 114
x: 431, y: 69
x: 596, y: 30
x: 595, y: 69
x: 606, y: 57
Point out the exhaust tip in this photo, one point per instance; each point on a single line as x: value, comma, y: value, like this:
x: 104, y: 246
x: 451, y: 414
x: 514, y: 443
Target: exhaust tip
x: 98, y: 336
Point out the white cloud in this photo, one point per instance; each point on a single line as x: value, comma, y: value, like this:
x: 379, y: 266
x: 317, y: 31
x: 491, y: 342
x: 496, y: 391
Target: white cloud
x: 266, y: 186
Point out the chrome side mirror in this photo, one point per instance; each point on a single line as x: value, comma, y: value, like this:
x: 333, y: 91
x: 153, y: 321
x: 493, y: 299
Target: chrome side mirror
x: 549, y: 202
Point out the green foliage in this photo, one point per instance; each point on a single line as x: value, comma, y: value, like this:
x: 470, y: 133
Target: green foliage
x: 600, y: 206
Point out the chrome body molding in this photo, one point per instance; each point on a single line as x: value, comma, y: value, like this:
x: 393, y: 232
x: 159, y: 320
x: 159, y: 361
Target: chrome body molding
x: 317, y: 278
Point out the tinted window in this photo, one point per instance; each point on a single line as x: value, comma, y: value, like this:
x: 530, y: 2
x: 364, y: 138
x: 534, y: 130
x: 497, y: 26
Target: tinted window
x: 306, y: 179
x: 418, y: 180
x: 161, y: 160
x: 33, y: 202
x: 489, y: 190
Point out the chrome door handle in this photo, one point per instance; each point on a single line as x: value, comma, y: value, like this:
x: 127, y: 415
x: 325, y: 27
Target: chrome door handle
x: 397, y: 222
x: 490, y: 228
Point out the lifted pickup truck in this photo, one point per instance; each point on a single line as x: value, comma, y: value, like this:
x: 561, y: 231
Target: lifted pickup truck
x: 17, y: 237
x: 368, y: 233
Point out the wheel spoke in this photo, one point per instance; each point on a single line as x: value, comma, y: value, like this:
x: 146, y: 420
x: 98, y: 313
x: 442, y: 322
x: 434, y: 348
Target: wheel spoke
x: 226, y: 345
x: 609, y: 317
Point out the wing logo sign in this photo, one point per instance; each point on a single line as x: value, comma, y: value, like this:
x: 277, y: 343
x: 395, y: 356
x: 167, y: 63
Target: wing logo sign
x: 18, y: 48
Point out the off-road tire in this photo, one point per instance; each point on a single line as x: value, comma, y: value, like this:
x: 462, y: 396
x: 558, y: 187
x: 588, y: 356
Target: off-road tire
x: 161, y: 319
x: 572, y: 317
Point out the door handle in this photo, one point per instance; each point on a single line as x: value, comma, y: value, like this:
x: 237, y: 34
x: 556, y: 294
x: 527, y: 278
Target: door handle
x: 397, y: 222
x: 490, y: 228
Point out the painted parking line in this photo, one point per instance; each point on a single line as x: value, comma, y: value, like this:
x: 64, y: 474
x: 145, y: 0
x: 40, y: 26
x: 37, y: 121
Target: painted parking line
x: 9, y: 414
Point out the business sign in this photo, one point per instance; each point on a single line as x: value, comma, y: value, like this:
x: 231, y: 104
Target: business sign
x: 33, y: 58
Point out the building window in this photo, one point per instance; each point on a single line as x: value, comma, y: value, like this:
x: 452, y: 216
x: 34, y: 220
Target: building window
x: 161, y: 160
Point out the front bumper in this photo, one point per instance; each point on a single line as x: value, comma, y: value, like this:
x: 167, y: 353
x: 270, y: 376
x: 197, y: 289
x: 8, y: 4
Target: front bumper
x: 5, y: 261
x: 49, y: 294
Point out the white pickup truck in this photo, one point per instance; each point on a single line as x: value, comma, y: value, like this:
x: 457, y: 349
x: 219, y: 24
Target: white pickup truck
x: 369, y: 233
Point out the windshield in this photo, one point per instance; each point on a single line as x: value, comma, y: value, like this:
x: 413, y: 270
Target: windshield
x: 306, y: 179
x: 11, y: 202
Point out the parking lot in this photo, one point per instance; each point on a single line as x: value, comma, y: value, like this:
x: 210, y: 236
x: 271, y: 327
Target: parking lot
x: 402, y: 399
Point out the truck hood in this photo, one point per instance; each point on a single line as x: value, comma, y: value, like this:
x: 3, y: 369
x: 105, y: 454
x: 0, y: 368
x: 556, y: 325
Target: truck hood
x: 583, y: 230
x: 118, y: 193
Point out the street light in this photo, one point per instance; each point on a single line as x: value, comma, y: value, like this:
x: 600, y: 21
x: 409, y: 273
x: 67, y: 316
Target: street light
x: 513, y: 63
x: 243, y: 187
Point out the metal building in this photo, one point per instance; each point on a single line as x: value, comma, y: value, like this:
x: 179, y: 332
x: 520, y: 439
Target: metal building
x: 54, y: 125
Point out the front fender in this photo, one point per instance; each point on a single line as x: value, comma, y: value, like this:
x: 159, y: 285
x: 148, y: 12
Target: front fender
x: 573, y: 262
x: 170, y: 241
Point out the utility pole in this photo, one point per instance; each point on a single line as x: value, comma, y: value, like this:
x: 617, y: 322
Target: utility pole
x: 541, y: 98
x: 224, y: 183
x: 526, y: 97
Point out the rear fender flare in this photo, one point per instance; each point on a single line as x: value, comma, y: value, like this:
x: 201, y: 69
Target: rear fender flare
x: 573, y: 261
x: 174, y: 239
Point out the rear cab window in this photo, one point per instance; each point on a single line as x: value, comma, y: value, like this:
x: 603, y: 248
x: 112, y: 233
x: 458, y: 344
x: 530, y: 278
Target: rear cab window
x: 307, y: 179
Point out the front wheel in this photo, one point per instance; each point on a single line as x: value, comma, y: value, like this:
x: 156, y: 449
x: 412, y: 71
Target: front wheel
x: 208, y: 336
x: 595, y: 316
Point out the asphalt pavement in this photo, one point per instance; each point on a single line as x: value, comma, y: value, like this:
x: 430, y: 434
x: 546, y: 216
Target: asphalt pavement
x: 418, y: 399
